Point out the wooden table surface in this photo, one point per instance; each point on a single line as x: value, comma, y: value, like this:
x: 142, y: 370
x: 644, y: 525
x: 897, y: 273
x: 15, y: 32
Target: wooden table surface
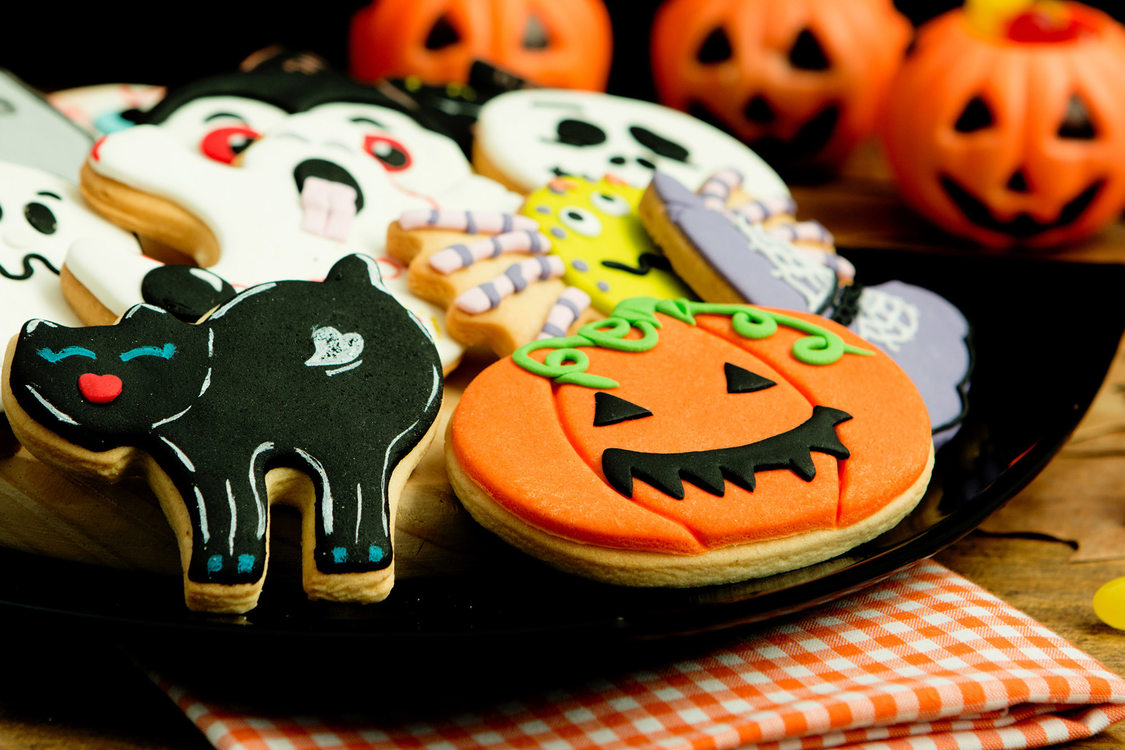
x: 64, y: 690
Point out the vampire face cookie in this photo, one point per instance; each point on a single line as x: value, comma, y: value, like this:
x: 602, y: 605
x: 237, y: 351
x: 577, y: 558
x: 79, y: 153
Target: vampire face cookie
x: 734, y: 254
x: 682, y: 444
x: 526, y: 138
x: 576, y: 248
x: 195, y: 408
x: 324, y: 183
x: 218, y: 116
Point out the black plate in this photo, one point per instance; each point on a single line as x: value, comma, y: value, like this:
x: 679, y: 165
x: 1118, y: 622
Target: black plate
x: 1045, y: 334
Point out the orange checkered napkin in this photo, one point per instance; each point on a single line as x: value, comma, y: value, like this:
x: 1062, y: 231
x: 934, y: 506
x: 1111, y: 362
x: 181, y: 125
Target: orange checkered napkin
x: 923, y: 661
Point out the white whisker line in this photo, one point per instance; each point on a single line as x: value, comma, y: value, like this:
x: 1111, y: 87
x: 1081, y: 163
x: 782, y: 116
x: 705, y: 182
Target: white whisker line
x: 201, y: 508
x: 58, y: 413
x: 254, y: 487
x: 233, y: 519
x: 326, y: 498
x: 179, y: 454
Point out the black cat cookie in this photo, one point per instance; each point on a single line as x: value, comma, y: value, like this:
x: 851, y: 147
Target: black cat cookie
x: 334, y: 381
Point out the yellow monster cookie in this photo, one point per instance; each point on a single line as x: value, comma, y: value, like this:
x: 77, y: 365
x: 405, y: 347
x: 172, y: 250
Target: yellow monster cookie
x: 584, y: 250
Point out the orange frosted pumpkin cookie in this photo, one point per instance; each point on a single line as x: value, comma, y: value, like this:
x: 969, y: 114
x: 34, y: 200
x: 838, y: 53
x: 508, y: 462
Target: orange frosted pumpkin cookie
x: 681, y: 443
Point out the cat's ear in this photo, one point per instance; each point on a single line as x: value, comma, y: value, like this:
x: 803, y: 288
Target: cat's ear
x: 356, y: 269
x: 148, y: 314
x: 187, y: 292
x: 31, y: 326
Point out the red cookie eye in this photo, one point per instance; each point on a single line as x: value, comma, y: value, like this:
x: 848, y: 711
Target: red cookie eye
x: 223, y: 144
x: 392, y: 154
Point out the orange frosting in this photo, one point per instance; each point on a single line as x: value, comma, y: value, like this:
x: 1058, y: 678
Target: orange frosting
x: 532, y: 444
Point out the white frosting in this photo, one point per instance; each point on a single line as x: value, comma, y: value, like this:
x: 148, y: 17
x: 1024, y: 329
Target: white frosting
x: 518, y: 133
x: 190, y: 123
x: 256, y: 213
x: 804, y: 272
x: 887, y: 320
x: 40, y: 295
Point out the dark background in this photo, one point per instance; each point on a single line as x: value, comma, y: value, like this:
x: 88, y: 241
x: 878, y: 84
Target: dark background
x: 53, y: 46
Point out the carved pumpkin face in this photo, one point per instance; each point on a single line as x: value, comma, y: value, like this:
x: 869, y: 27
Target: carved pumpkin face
x: 799, y: 82
x: 1011, y: 139
x: 563, y: 45
x: 690, y: 429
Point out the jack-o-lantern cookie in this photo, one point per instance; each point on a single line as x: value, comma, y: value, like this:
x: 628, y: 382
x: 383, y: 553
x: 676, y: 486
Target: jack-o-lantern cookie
x: 678, y: 443
x: 732, y: 253
x: 195, y: 409
x: 525, y: 138
x: 576, y: 248
x: 319, y: 185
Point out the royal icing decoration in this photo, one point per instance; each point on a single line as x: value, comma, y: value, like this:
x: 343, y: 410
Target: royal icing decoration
x: 360, y: 386
x: 663, y: 444
x: 40, y: 217
x: 922, y: 331
x: 586, y: 232
x: 320, y: 184
x: 567, y: 364
x: 528, y: 137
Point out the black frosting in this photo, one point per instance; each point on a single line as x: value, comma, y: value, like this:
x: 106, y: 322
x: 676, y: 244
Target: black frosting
x: 296, y: 89
x: 790, y: 450
x: 610, y: 409
x: 335, y: 379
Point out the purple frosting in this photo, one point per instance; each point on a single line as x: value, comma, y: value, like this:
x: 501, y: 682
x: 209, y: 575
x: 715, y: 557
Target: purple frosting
x: 937, y: 357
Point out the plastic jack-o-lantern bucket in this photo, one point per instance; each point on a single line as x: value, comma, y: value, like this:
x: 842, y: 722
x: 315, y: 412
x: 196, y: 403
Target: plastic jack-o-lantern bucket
x: 1010, y: 130
x: 554, y: 44
x: 800, y: 81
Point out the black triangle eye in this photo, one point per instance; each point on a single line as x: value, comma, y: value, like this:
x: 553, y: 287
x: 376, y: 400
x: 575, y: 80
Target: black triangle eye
x: 534, y: 34
x: 807, y: 54
x: 609, y: 409
x: 741, y: 380
x: 715, y: 48
x: 976, y: 115
x: 442, y: 34
x: 1077, y: 122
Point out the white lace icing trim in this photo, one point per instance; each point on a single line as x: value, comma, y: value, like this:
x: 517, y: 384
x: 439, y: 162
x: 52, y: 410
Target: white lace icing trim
x: 811, y: 279
x: 886, y: 319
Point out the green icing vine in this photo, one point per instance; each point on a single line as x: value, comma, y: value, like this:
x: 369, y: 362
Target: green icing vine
x: 567, y: 363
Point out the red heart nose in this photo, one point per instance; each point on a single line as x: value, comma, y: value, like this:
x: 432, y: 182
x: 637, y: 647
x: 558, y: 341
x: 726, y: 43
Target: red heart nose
x: 99, y: 389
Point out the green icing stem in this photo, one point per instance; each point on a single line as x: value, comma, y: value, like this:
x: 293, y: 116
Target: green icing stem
x: 567, y: 363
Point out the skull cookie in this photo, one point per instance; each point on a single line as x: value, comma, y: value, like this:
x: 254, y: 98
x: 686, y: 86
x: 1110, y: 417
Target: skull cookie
x: 528, y: 137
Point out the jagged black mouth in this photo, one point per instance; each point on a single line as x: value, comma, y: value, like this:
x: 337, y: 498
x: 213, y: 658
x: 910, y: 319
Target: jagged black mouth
x: 707, y: 470
x: 1024, y: 225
